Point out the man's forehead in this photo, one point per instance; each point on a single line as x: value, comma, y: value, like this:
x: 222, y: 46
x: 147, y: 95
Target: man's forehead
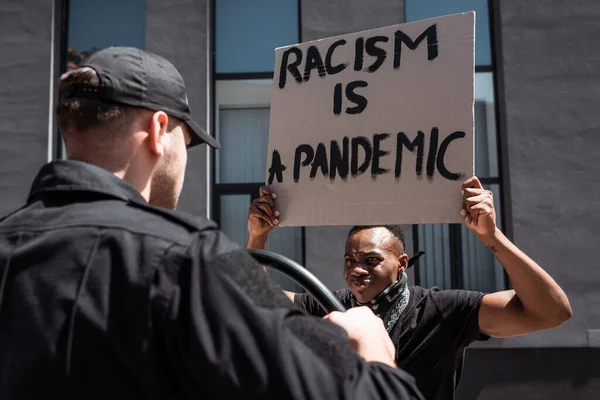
x: 373, y: 239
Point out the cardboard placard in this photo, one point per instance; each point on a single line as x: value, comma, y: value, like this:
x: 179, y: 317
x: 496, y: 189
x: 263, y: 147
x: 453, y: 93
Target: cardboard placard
x: 374, y: 127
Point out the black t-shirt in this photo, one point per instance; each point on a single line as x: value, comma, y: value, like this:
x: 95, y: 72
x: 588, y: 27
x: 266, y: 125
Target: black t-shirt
x: 430, y: 337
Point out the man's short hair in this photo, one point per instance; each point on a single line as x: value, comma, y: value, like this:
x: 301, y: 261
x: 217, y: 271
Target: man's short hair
x: 83, y: 114
x: 395, y: 230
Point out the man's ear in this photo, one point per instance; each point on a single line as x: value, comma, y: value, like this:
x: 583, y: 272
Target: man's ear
x: 402, y: 263
x: 158, y: 128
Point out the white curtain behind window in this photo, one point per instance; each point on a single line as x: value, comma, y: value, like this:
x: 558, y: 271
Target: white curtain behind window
x: 244, y: 138
x: 434, y: 266
x: 244, y: 134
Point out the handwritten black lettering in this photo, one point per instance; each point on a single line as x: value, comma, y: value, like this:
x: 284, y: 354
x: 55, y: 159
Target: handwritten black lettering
x: 306, y: 150
x: 416, y: 145
x: 359, y: 100
x: 353, y: 156
x: 432, y: 45
x: 320, y: 161
x: 337, y: 99
x: 374, y: 51
x: 277, y: 168
x: 331, y: 70
x: 378, y: 154
x: 313, y: 60
x: 339, y: 162
x: 359, y: 48
x: 441, y: 167
x: 431, y: 157
x: 293, y: 67
x: 357, y: 142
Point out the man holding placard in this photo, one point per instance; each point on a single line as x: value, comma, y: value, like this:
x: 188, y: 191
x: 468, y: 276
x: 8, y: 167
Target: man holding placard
x: 377, y: 128
x: 431, y: 327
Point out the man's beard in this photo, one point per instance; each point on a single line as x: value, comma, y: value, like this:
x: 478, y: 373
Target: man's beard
x: 164, y: 191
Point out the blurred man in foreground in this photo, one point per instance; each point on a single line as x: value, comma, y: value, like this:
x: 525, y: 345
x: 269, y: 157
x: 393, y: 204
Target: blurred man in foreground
x: 106, y: 292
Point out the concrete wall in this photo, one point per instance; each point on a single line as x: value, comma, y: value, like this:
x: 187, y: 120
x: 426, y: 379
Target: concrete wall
x: 320, y: 19
x: 550, y: 55
x: 25, y: 64
x: 178, y: 31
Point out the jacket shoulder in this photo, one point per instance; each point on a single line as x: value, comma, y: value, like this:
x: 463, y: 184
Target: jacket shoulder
x: 190, y: 222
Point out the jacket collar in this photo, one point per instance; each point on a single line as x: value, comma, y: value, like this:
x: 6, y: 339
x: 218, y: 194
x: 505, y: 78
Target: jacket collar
x: 75, y: 176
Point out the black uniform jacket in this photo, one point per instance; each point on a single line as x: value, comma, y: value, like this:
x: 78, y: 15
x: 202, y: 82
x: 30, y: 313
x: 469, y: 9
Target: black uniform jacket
x: 103, y: 296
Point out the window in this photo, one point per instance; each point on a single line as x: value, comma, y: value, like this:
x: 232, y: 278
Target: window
x: 247, y: 33
x: 245, y: 38
x: 94, y: 25
x: 454, y: 257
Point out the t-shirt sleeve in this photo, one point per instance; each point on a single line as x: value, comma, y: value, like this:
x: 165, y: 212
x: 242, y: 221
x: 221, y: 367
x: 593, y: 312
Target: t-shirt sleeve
x: 308, y: 303
x: 460, y: 311
x: 220, y: 344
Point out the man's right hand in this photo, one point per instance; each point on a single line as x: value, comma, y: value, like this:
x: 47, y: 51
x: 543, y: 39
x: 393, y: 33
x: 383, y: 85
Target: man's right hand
x: 262, y: 218
x: 367, y: 334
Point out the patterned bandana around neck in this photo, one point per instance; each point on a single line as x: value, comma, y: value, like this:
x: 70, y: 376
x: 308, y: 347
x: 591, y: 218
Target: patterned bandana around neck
x: 389, y: 304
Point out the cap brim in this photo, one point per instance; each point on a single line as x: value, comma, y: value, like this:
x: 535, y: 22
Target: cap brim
x: 199, y: 135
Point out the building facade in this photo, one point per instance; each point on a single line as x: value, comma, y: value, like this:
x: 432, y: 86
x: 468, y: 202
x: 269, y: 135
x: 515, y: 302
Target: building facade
x: 536, y: 84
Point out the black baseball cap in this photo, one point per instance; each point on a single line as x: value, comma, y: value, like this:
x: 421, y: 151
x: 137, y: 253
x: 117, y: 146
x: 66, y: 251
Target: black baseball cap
x: 139, y: 78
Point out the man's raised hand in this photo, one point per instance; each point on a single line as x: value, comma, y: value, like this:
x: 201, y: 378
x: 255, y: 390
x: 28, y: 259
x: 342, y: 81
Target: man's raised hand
x: 478, y: 208
x: 262, y: 218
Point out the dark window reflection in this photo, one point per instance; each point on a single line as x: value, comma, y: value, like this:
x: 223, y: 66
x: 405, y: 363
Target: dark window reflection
x: 94, y: 25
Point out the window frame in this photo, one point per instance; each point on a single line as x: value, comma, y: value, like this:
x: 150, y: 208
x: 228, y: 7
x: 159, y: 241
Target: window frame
x: 61, y: 47
x: 223, y: 189
x: 502, y: 180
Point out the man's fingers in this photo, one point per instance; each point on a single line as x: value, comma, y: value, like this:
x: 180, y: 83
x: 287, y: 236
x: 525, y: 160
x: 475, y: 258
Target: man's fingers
x: 266, y: 191
x: 471, y: 192
x: 266, y: 211
x: 265, y: 199
x: 484, y: 206
x: 471, y: 206
x: 469, y: 221
x: 267, y: 204
x: 471, y: 201
x: 265, y: 218
x: 472, y: 182
x: 332, y: 316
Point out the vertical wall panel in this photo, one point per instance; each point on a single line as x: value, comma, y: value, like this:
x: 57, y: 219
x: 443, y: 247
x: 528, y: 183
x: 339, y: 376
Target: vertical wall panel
x: 25, y: 75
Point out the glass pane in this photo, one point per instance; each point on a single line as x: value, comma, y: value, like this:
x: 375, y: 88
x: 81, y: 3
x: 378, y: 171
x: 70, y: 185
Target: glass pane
x: 94, y: 25
x: 234, y: 214
x: 481, y: 270
x: 423, y: 9
x: 247, y: 33
x: 285, y: 241
x: 486, y: 149
x: 244, y: 137
x: 434, y: 265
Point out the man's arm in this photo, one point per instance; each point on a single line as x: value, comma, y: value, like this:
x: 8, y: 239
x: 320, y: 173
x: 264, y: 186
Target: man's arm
x: 220, y: 343
x: 537, y: 302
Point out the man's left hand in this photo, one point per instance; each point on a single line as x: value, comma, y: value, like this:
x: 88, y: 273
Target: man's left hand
x: 478, y: 208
